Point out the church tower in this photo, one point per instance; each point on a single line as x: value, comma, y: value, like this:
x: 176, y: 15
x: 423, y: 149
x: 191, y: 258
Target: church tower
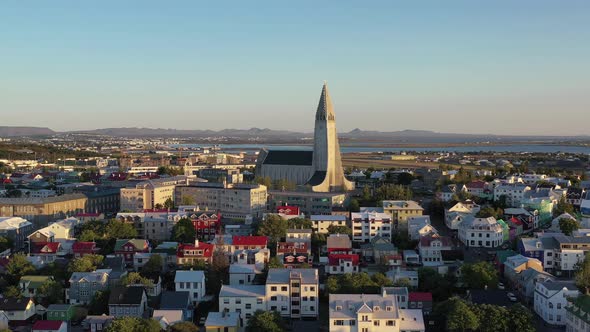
x: 328, y: 174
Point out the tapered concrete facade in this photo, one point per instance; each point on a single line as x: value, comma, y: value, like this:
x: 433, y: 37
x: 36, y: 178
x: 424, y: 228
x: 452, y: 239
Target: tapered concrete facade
x: 327, y: 163
x: 321, y: 169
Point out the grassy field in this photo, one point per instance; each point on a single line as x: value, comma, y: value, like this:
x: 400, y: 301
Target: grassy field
x: 360, y: 162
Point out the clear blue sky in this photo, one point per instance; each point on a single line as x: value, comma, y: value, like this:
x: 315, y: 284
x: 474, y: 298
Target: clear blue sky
x: 506, y: 67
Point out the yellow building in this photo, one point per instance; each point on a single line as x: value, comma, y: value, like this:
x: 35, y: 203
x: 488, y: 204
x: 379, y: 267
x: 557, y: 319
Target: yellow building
x: 40, y: 210
x: 146, y: 195
x: 400, y: 211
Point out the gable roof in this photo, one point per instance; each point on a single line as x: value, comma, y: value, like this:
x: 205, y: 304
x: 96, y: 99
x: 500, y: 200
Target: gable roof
x: 45, y: 325
x: 239, y: 240
x: 131, y: 295
x: 334, y: 259
x: 288, y: 157
x: 45, y: 247
x: 83, y: 246
x: 14, y: 304
x: 139, y: 244
x: 420, y: 297
x: 175, y: 300
x: 189, y: 276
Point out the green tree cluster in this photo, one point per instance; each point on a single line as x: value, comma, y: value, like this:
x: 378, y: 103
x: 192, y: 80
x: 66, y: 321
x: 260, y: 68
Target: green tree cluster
x: 356, y: 283
x: 266, y: 321
x: 489, y: 211
x: 86, y: 263
x: 462, y: 316
x: 568, y: 225
x: 479, y: 275
x: 184, y: 231
x: 183, y: 327
x: 133, y: 324
x: 5, y: 243
x: 393, y: 192
x: 441, y: 286
x: 563, y: 206
x: 583, y: 275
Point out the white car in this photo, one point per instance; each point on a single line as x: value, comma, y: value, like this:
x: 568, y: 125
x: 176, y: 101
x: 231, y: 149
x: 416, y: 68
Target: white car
x: 510, y: 295
x: 501, y: 286
x: 512, y: 298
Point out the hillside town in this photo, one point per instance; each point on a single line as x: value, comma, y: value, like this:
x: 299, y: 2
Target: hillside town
x: 290, y: 240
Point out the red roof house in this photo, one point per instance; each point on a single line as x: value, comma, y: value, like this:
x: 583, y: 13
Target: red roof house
x: 420, y: 300
x: 342, y: 263
x: 288, y: 210
x: 249, y: 242
x: 81, y: 249
x: 189, y: 254
x: 50, y: 325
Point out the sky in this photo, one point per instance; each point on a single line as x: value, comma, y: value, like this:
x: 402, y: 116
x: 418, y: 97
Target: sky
x: 498, y: 66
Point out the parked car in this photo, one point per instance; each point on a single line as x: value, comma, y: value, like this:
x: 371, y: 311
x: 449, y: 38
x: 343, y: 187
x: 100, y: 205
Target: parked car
x: 501, y: 286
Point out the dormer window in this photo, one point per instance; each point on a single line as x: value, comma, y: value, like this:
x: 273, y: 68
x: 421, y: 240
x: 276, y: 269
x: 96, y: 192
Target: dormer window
x: 388, y: 308
x: 376, y: 308
x: 338, y: 307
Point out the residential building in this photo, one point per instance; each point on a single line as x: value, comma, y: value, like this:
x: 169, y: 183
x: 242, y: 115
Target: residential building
x: 98, y: 323
x: 400, y: 211
x: 398, y: 275
x: 459, y: 212
x: 320, y: 223
x: 64, y: 229
x: 559, y: 253
x: 419, y: 226
x: 342, y: 263
x: 192, y: 282
x: 46, y: 251
x: 128, y: 248
x: 400, y: 293
x: 339, y: 244
x: 50, y: 326
x: 146, y: 195
x: 513, y: 193
x: 298, y: 235
x: 222, y: 321
x: 578, y: 315
x: 29, y: 285
x: 514, y: 265
x: 551, y: 299
x: 81, y: 249
x: 244, y: 300
x: 167, y: 318
x: 128, y: 301
x: 3, y: 320
x: 431, y: 247
x: 294, y: 254
x: 293, y: 292
x: 481, y: 232
x: 372, y: 312
x: 422, y: 301
x: 189, y: 254
x: 19, y: 311
x: 378, y: 250
x: 84, y: 285
x: 234, y: 201
x: 366, y: 225
x: 178, y: 301
x: 242, y: 274
x: 527, y: 283
x: 60, y: 312
x: 16, y: 229
x: 447, y: 192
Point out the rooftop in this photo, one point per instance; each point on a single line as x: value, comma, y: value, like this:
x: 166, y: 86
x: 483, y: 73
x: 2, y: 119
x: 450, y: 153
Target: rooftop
x: 242, y: 291
x: 282, y: 276
x: 189, y: 276
x: 222, y: 319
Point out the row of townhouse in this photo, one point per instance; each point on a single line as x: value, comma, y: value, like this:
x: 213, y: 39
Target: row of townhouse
x: 559, y: 253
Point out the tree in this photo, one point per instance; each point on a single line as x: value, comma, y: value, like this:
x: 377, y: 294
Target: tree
x: 135, y: 278
x: 381, y: 280
x: 100, y: 303
x: 489, y: 211
x: 459, y: 316
x: 184, y: 231
x: 183, y: 327
x: 492, y: 318
x: 133, y: 324
x: 5, y: 243
x: 333, y: 229
x: 266, y: 321
x: 89, y: 236
x: 431, y: 281
x: 568, y: 225
x: 274, y: 227
x: 218, y: 271
x: 393, y: 192
x: 583, y: 274
x: 153, y: 267
x: 52, y: 291
x: 563, y: 206
x: 12, y: 291
x: 366, y: 196
x: 299, y: 223
x: 405, y: 178
x: 17, y: 267
x: 353, y: 205
x: 520, y: 319
x: 265, y: 181
x: 275, y: 263
x: 187, y: 200
x: 87, y: 263
x: 479, y: 275
x: 169, y: 204
x: 119, y: 230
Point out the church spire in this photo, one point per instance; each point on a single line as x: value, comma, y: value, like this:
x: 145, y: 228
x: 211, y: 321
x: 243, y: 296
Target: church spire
x: 325, y: 108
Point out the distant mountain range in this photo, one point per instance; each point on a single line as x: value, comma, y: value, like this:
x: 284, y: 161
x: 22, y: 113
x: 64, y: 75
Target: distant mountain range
x: 270, y: 135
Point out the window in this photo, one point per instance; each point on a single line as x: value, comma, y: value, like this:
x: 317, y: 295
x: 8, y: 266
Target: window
x: 559, y: 305
x: 339, y: 322
x: 238, y: 301
x: 390, y: 323
x: 312, y: 288
x: 376, y: 323
x: 283, y: 288
x: 365, y: 329
x: 352, y: 322
x: 312, y: 298
x: 365, y: 318
x: 248, y: 306
x: 273, y: 288
x: 225, y: 301
x: 273, y: 298
x: 259, y: 300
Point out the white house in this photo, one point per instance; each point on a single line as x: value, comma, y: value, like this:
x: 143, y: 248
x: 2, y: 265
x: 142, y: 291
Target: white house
x: 293, y: 293
x: 372, y: 312
x: 481, y: 232
x: 242, y: 274
x: 551, y: 299
x: 459, y: 212
x: 242, y: 299
x: 192, y: 282
x: 420, y: 226
x: 431, y: 247
x: 399, y: 275
x: 366, y: 225
x: 514, y: 193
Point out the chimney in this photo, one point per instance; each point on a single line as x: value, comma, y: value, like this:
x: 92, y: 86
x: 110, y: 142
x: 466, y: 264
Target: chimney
x: 196, y: 243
